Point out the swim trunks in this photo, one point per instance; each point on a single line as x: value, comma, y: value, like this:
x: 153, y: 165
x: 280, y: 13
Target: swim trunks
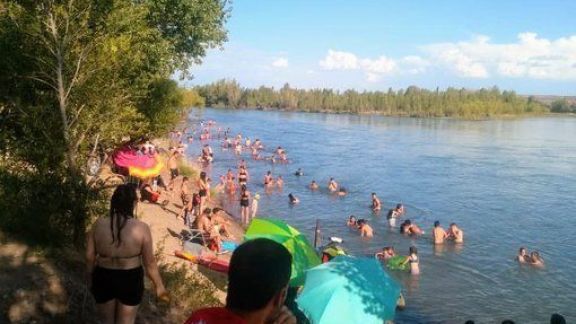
x: 127, y: 286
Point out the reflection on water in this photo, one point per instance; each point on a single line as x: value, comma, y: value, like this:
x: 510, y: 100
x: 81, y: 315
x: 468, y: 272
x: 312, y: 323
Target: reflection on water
x: 507, y: 183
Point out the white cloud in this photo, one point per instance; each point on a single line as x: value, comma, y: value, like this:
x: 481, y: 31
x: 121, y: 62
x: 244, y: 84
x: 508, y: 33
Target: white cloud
x: 336, y: 60
x: 530, y: 56
x: 280, y: 63
x: 414, y: 64
x: 373, y: 68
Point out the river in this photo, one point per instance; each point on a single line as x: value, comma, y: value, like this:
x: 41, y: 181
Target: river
x: 507, y: 183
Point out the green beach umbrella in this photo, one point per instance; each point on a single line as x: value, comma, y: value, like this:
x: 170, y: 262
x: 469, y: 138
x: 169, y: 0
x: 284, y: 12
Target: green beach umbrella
x: 304, y: 256
x: 349, y: 290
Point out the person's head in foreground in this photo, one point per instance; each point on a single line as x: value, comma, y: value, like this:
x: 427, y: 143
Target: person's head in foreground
x: 258, y: 279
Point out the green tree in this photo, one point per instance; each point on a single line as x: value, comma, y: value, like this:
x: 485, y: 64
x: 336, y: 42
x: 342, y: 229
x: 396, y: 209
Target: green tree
x: 74, y: 71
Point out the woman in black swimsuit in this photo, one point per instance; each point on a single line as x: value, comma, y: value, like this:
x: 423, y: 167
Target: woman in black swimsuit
x: 117, y: 248
x: 202, y: 189
x: 242, y: 175
x: 245, y: 205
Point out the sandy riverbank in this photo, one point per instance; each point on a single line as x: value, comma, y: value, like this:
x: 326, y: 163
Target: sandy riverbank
x: 167, y: 227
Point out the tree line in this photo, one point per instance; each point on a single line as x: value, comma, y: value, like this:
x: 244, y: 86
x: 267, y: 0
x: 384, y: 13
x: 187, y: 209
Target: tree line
x: 76, y: 73
x: 412, y: 101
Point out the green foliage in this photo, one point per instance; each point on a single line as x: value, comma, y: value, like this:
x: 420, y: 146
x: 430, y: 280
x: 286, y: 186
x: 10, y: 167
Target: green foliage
x: 187, y: 291
x: 563, y: 106
x: 186, y: 170
x: 410, y: 102
x: 74, y: 71
x: 191, y: 98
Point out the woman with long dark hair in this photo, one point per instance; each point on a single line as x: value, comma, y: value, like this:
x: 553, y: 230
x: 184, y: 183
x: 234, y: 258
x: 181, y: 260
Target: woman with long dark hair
x: 118, y: 249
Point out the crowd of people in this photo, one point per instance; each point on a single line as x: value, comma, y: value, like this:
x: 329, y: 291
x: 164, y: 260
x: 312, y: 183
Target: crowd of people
x: 119, y: 247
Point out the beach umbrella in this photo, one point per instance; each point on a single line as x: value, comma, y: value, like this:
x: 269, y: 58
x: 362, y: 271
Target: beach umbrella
x: 140, y: 166
x: 304, y: 256
x: 349, y: 290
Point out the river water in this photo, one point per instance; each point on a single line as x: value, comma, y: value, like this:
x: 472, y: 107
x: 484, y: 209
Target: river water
x: 507, y: 183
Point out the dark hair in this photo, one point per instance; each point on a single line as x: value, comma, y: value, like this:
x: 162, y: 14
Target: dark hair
x: 184, y: 179
x: 436, y: 223
x: 259, y: 270
x: 413, y: 250
x: 203, y: 176
x: 452, y: 224
x: 207, y: 210
x: 507, y: 322
x: 557, y: 319
x: 398, y: 205
x: 469, y: 322
x: 121, y: 208
x: 373, y: 194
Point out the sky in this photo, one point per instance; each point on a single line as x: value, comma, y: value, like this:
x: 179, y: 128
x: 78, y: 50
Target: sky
x: 526, y: 46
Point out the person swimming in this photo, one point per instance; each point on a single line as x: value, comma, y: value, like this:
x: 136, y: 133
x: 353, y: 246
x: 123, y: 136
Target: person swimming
x: 522, y: 256
x: 332, y: 185
x: 410, y: 229
x: 386, y: 254
x: 313, y: 185
x: 364, y: 228
x: 293, y: 199
x: 352, y: 221
x: 391, y: 217
x: 299, y: 172
x: 376, y: 204
x: 535, y: 259
x: 342, y: 191
x: 268, y: 180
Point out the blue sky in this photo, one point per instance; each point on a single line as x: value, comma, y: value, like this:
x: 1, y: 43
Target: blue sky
x: 527, y: 46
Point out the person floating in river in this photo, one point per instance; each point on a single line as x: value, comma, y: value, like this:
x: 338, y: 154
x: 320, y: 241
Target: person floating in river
x: 342, y: 192
x: 299, y: 172
x: 386, y: 254
x: 313, y: 185
x: 410, y: 229
x: 352, y: 221
x: 293, y: 199
x: 376, y: 204
x: 522, y: 256
x: 365, y: 229
x: 332, y: 185
x: 279, y: 182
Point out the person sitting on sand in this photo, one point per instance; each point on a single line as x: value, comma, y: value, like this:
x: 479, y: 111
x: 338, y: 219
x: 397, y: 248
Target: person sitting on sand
x: 293, y: 199
x: 332, y: 185
x: 342, y: 192
x: 352, y: 221
x: 455, y: 233
x: 386, y: 254
x: 438, y: 233
x: 413, y: 260
x: 257, y: 287
x: 535, y: 259
x: 299, y: 172
x: 364, y: 228
x: 313, y: 185
x: 522, y: 256
x: 376, y: 204
x: 204, y: 224
x: 148, y: 194
x: 410, y: 229
x: 222, y: 223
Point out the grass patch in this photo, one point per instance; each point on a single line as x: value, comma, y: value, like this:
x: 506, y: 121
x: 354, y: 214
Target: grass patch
x: 186, y: 170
